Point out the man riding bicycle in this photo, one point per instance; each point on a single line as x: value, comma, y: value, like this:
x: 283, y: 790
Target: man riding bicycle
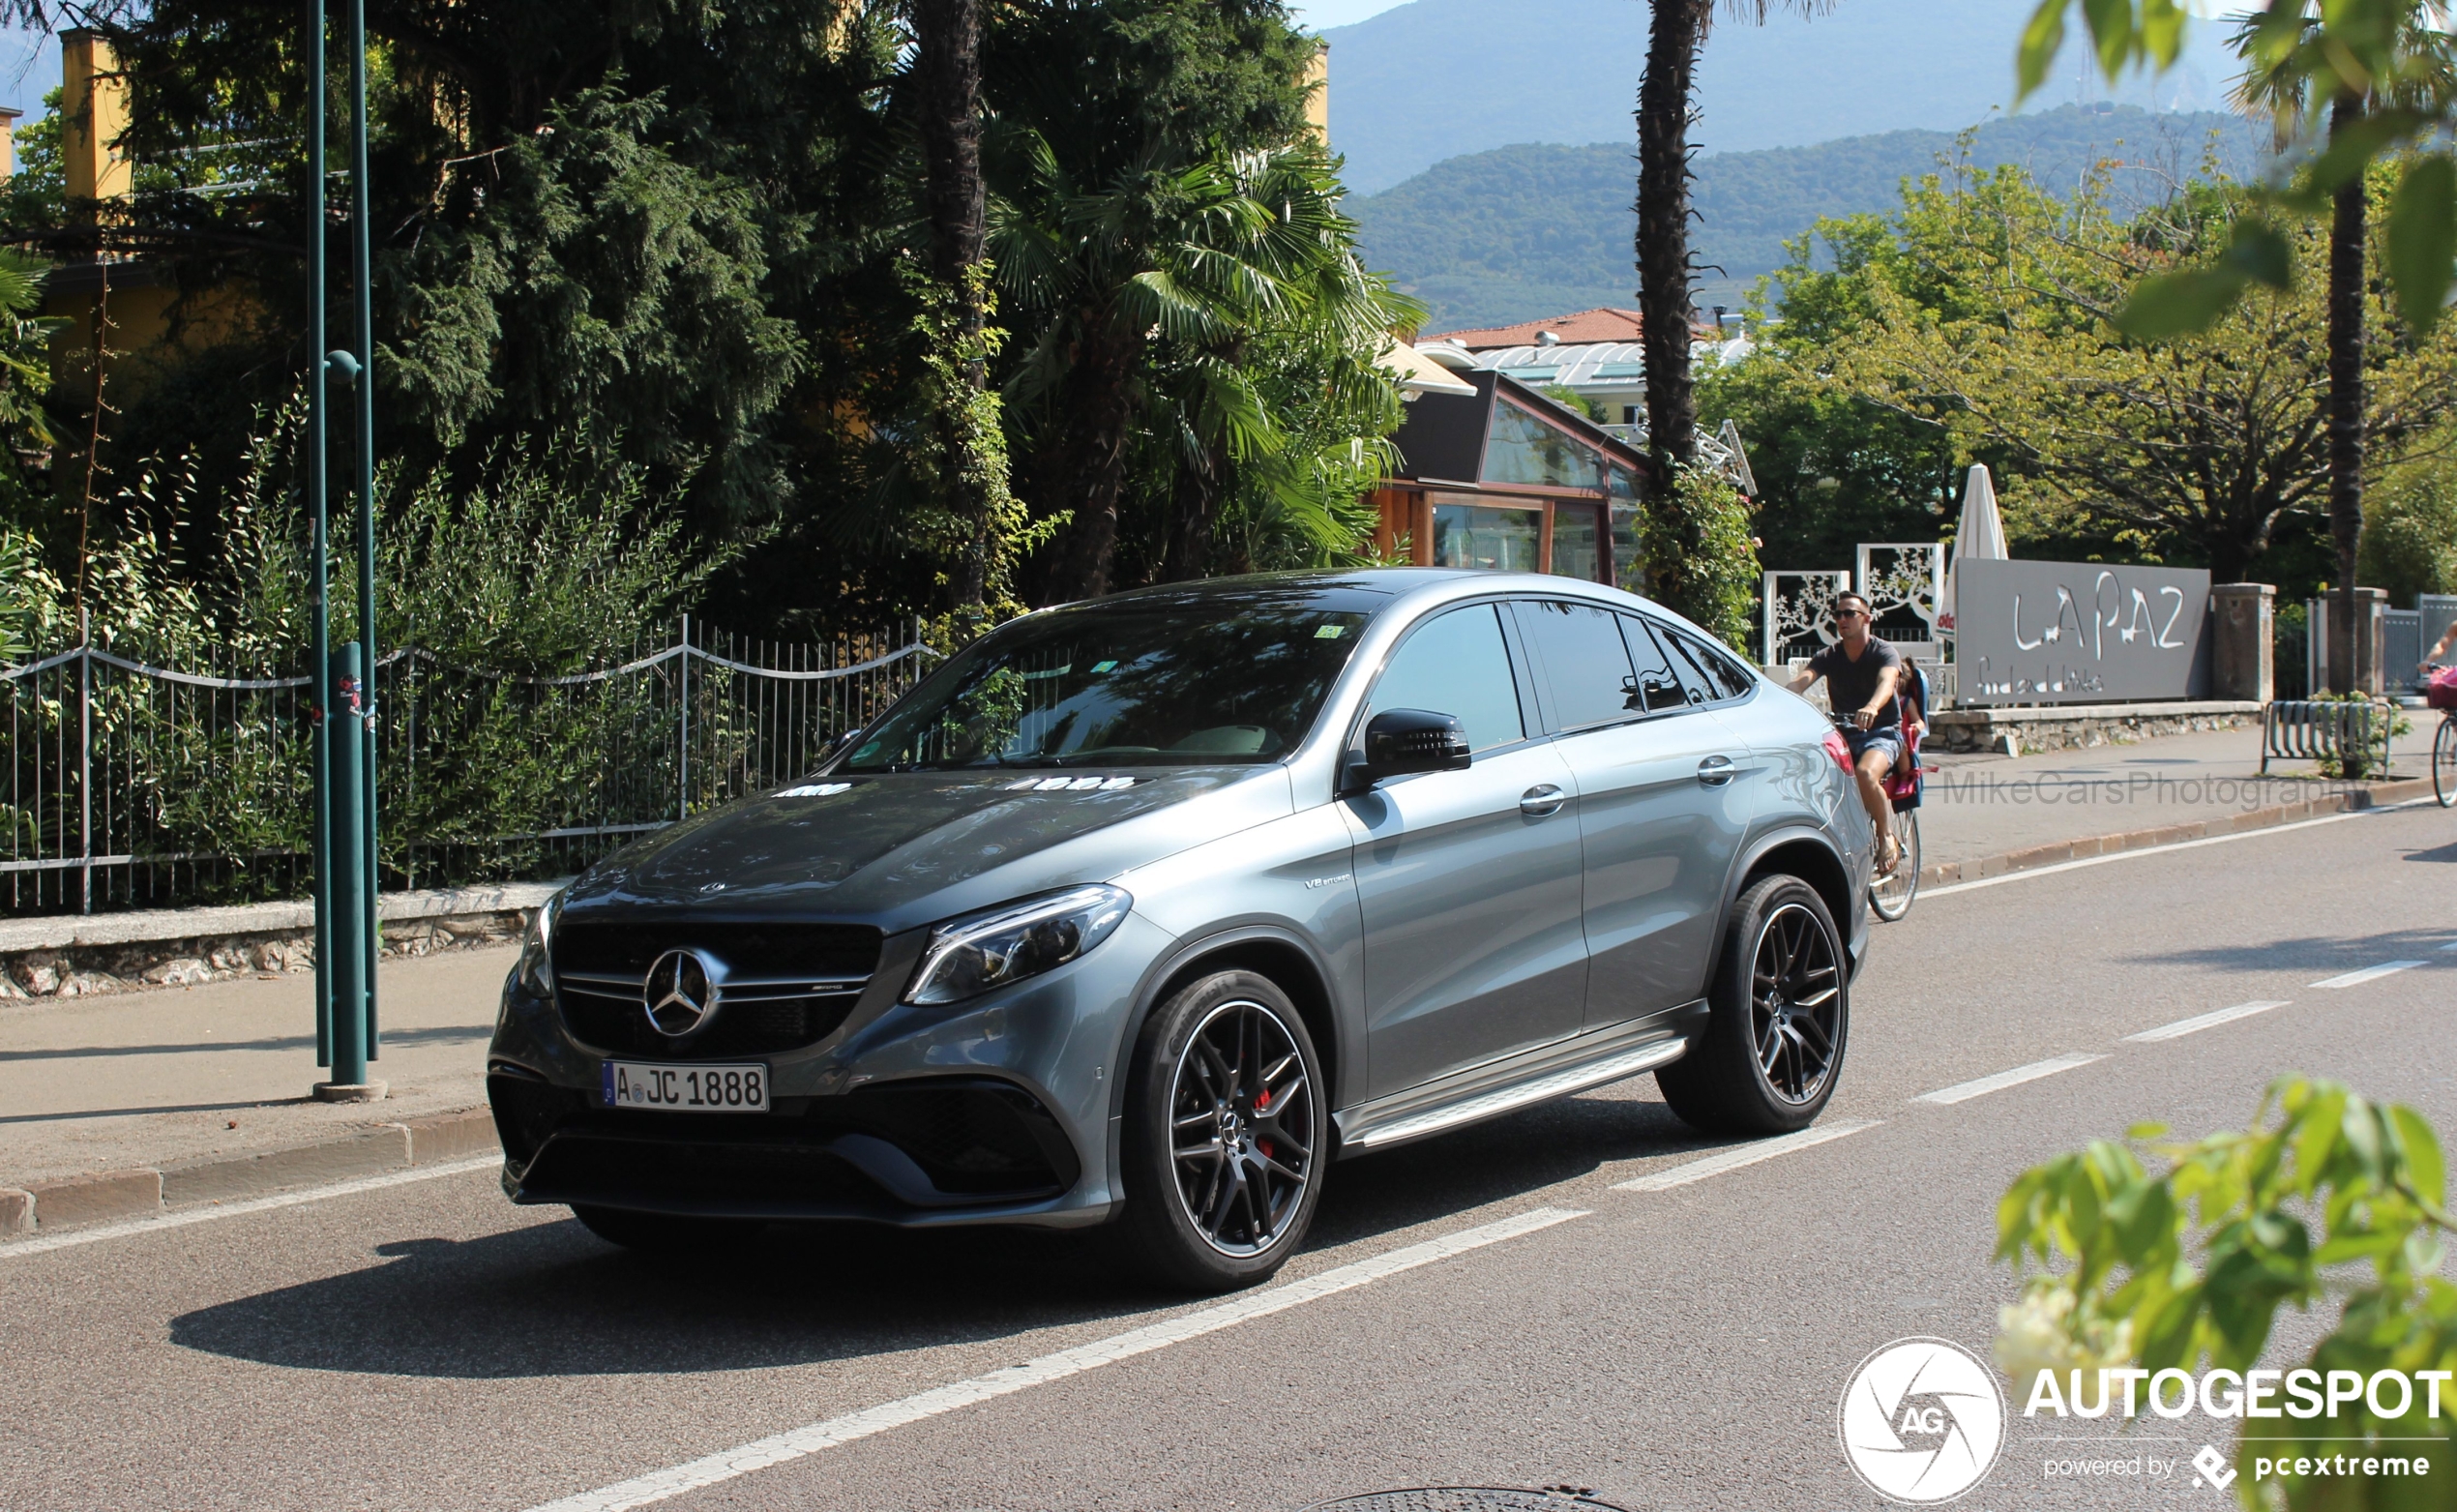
x: 1862, y: 676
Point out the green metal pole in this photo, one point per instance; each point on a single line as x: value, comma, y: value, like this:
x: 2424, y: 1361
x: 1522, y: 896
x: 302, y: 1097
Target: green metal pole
x: 364, y: 388
x: 320, y: 737
x: 349, y: 902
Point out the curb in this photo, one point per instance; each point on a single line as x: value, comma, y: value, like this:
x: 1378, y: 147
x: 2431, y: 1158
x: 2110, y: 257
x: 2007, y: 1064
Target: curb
x: 2379, y: 795
x: 117, y: 1196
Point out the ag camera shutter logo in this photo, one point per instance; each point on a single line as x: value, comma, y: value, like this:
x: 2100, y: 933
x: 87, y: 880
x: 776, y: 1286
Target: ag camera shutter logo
x: 1922, y: 1421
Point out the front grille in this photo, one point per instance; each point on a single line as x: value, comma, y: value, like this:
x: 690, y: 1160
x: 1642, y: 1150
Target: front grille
x: 785, y: 985
x: 780, y: 950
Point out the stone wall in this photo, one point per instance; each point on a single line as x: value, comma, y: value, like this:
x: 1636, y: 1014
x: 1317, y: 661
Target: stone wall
x: 83, y: 970
x: 2018, y: 730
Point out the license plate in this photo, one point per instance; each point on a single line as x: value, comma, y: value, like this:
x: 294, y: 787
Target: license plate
x: 689, y: 1089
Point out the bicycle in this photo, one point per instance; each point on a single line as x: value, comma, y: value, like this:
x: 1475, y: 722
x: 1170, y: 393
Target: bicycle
x: 1890, y: 896
x: 2443, y: 695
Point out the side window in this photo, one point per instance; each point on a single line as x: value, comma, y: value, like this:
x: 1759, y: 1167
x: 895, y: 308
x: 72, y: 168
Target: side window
x: 1656, y: 687
x: 1711, y: 672
x: 1456, y: 663
x: 1584, y: 660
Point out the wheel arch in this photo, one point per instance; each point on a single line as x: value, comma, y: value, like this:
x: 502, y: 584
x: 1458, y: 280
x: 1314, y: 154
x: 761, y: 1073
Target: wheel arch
x: 1292, y: 963
x: 1803, y: 853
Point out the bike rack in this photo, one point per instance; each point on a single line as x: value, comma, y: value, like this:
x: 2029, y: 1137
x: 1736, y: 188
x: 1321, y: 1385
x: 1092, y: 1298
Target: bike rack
x: 2326, y: 729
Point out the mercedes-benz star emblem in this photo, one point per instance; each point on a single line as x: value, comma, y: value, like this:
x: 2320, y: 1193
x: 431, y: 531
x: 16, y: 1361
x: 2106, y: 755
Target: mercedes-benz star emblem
x: 680, y: 994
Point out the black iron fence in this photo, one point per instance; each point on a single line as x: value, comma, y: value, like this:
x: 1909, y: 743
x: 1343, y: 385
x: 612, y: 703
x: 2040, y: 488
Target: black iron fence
x: 124, y: 784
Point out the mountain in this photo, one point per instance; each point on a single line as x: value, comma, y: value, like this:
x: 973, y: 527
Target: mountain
x: 1435, y: 79
x: 1535, y: 230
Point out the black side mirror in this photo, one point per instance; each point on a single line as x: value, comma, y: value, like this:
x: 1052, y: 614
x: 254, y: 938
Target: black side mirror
x: 1403, y: 742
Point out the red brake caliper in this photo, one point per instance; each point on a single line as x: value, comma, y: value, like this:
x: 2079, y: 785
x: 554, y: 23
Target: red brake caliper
x: 1262, y: 1104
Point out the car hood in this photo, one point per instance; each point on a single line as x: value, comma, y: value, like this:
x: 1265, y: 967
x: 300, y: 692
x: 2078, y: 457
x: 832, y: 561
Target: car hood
x: 907, y: 848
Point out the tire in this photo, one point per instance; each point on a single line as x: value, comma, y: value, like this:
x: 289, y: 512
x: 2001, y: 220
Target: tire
x: 1890, y: 896
x: 662, y: 1233
x: 1724, y: 1086
x: 1214, y: 1199
x: 2444, y: 761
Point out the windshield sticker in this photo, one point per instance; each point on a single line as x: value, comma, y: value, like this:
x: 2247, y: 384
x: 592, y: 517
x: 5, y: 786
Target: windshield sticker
x: 816, y: 790
x: 1330, y: 633
x: 1054, y: 672
x: 1072, y: 785
x: 1105, y: 667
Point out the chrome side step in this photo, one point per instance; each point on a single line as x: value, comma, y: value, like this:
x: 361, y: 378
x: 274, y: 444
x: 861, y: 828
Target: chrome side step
x: 1537, y: 1075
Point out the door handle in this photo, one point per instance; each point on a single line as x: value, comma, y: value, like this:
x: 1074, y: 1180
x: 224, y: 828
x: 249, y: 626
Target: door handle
x: 1716, y: 770
x: 1541, y: 800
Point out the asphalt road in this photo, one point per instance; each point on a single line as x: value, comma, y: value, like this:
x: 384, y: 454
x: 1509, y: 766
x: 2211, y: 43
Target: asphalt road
x: 425, y: 1344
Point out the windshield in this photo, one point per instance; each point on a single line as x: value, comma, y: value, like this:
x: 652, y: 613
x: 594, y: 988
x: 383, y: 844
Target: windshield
x: 1166, y: 685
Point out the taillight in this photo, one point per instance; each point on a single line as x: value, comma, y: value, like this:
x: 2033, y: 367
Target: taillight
x: 1841, y: 750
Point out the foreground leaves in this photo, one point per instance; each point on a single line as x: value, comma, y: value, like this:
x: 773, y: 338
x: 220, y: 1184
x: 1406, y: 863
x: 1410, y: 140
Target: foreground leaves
x: 2327, y: 1194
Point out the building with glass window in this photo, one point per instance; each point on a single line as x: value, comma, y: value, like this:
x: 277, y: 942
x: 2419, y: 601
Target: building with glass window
x: 1505, y: 478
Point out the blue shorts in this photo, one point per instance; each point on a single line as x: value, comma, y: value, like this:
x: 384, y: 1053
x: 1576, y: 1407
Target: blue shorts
x: 1888, y: 739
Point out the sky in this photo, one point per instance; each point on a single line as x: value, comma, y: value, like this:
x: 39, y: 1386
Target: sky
x: 1323, y: 15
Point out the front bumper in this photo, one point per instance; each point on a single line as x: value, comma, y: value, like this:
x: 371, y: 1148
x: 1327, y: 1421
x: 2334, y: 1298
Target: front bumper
x: 994, y: 1110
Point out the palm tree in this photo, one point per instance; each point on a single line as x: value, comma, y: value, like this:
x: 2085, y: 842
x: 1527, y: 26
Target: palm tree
x: 2275, y: 84
x: 1153, y: 287
x: 947, y: 70
x: 1676, y: 31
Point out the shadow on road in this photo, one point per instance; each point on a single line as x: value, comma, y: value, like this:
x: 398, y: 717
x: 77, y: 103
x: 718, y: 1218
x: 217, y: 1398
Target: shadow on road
x: 2323, y: 956
x: 552, y: 1299
x: 2447, y: 852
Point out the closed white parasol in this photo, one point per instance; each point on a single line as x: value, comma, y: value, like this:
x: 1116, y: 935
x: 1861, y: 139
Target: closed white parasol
x: 1981, y: 533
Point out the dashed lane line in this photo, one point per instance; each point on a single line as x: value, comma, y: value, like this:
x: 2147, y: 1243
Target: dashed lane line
x: 2199, y: 1022
x: 2367, y: 974
x: 43, y: 1243
x: 1962, y: 1092
x: 1733, y: 1159
x: 802, y: 1443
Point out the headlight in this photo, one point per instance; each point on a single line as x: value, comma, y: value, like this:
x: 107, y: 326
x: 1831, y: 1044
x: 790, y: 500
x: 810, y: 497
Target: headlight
x: 536, y: 972
x: 969, y: 956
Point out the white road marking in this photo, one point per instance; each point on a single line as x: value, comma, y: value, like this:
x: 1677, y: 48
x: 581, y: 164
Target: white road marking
x: 2160, y: 850
x: 2368, y: 974
x: 1733, y: 1159
x: 2207, y: 1020
x: 1963, y: 1092
x: 800, y: 1442
x: 42, y: 1243
x: 2451, y: 945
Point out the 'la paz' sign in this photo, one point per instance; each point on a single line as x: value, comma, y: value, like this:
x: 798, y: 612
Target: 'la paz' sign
x: 2079, y: 631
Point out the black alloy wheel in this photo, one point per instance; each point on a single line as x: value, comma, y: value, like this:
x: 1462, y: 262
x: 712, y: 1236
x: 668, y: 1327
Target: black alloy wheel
x: 1795, y: 1001
x: 1225, y: 1134
x: 1778, y: 1019
x: 2444, y: 761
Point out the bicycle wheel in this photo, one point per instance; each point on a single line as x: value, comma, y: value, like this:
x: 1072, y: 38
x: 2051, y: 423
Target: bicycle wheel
x: 1891, y: 896
x: 2444, y: 761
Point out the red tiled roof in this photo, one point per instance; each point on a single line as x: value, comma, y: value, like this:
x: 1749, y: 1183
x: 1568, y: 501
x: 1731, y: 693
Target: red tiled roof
x: 1575, y: 330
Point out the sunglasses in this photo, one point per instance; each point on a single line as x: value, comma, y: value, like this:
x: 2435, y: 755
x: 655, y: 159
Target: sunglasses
x: 1851, y: 613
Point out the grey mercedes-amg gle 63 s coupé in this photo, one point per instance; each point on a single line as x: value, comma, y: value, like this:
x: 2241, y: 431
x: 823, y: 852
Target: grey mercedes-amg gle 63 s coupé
x: 1141, y: 911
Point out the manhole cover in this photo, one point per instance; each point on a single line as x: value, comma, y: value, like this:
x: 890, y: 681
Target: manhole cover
x: 1469, y: 1498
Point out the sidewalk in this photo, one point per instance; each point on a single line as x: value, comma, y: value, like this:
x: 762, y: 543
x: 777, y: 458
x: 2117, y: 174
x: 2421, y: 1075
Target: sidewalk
x: 1980, y: 806
x: 198, y: 1094
x: 208, y: 1086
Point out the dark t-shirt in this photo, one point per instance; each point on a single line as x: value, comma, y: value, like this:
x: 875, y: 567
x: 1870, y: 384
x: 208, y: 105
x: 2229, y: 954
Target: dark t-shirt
x: 1849, y: 684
